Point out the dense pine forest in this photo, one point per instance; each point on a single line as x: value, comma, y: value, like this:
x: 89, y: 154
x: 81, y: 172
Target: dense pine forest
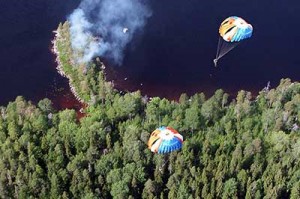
x: 247, y: 147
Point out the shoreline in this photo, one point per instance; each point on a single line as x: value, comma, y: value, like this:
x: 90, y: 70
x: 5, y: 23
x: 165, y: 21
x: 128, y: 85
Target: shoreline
x: 124, y: 85
x: 60, y: 69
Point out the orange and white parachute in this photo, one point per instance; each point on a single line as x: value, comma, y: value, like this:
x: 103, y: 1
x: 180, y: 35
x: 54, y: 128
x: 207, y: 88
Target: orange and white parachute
x: 165, y: 140
x: 232, y: 31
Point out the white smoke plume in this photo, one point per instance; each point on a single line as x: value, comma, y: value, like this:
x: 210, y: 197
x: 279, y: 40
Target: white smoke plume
x: 105, y: 27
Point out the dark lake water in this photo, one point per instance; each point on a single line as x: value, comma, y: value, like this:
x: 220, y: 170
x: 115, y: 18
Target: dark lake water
x: 173, y: 55
x: 27, y: 64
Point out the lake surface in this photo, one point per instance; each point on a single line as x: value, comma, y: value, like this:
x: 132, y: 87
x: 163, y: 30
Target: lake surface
x: 27, y: 64
x: 173, y: 55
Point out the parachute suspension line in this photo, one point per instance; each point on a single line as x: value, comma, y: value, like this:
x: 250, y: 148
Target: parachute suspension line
x: 218, y: 49
x: 166, y: 160
x: 220, y: 44
x: 159, y: 120
x: 226, y: 47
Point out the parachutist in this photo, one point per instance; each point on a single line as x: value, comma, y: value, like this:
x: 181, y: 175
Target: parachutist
x: 216, y: 62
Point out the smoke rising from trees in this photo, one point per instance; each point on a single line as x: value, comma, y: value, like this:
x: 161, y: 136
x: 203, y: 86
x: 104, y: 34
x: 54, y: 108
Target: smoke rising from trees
x: 97, y: 27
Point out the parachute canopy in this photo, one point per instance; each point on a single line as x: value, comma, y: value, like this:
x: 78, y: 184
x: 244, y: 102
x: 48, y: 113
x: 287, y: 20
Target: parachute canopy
x: 165, y: 140
x: 233, y: 30
x: 125, y: 30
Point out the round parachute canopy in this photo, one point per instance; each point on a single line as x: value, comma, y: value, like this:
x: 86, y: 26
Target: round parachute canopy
x: 165, y: 140
x: 235, y: 29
